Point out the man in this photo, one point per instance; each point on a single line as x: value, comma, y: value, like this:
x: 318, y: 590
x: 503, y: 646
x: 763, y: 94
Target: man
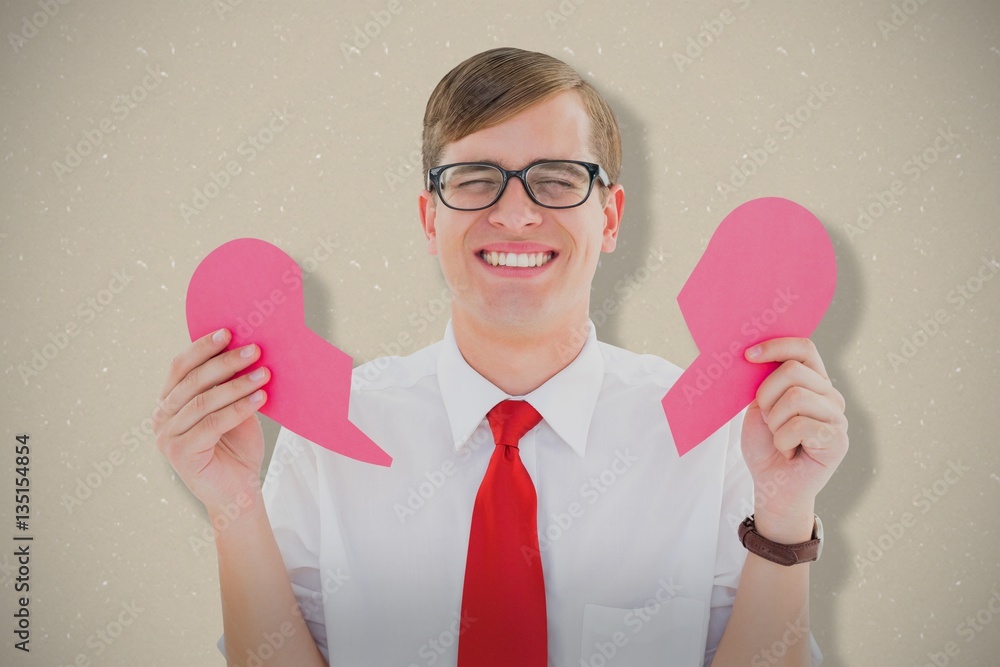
x: 583, y: 539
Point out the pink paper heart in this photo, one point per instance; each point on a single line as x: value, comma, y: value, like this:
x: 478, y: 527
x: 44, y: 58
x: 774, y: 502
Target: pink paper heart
x: 769, y: 272
x: 255, y: 290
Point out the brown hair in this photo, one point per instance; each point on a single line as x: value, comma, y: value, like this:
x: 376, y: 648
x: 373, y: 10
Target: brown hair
x: 492, y: 86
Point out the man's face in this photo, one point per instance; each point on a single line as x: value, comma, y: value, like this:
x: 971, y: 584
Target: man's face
x: 557, y: 292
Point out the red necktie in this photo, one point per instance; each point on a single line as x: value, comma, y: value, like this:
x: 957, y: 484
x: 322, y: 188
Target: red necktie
x: 504, y: 591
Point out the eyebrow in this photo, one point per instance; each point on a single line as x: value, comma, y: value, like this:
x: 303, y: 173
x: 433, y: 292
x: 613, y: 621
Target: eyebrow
x: 531, y: 161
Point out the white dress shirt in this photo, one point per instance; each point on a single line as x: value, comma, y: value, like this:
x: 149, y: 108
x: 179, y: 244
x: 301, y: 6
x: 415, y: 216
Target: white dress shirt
x: 639, y: 547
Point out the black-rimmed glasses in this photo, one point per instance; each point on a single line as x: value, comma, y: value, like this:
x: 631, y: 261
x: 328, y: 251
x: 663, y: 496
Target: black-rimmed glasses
x: 473, y: 186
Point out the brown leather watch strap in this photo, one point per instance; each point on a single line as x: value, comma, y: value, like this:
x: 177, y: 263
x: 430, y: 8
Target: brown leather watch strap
x: 782, y: 554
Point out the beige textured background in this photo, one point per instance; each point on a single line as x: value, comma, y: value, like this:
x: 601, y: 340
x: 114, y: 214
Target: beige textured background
x: 893, y: 77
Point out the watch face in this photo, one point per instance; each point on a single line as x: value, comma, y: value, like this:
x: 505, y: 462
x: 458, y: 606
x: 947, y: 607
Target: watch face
x: 818, y: 533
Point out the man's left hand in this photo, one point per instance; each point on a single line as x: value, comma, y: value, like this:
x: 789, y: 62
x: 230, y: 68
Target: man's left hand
x: 794, y: 437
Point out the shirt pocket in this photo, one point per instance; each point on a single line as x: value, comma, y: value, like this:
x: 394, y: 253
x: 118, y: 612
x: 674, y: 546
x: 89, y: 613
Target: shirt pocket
x: 667, y: 634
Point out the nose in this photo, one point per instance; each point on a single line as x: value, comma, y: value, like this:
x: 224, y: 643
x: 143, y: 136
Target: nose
x: 515, y: 209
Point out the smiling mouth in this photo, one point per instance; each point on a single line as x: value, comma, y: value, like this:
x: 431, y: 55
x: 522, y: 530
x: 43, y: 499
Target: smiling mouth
x: 521, y: 260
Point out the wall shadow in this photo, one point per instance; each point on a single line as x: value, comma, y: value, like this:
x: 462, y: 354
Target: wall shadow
x: 635, y: 233
x: 835, y: 338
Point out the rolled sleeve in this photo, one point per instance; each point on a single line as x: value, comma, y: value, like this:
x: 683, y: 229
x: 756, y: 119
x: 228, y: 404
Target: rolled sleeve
x: 737, y: 504
x: 290, y: 493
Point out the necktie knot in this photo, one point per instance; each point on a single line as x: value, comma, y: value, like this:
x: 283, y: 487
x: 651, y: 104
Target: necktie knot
x: 510, y: 420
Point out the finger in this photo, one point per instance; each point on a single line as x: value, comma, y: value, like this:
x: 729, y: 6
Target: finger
x: 217, y: 398
x: 209, y: 374
x: 790, y: 435
x: 799, y: 401
x: 823, y: 442
x: 193, y: 356
x: 197, y: 445
x: 827, y: 439
x: 783, y: 349
x: 790, y: 374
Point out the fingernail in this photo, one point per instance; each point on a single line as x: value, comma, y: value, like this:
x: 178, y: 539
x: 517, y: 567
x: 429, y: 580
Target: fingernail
x: 257, y: 374
x: 219, y: 335
x: 247, y: 351
x: 257, y: 396
x: 754, y: 352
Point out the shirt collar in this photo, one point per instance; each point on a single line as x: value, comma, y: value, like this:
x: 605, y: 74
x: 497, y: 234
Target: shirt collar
x: 566, y: 400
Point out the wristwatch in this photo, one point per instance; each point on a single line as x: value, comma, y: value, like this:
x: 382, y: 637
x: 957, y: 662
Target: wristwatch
x: 782, y: 554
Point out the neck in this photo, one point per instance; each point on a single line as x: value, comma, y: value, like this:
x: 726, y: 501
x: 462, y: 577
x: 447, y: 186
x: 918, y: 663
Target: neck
x: 518, y: 360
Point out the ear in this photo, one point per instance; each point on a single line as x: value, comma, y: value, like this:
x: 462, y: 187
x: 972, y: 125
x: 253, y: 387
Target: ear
x: 613, y: 211
x: 428, y: 212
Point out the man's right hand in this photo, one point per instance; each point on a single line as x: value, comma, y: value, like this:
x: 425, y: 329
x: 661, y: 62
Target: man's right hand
x: 206, y: 423
x: 206, y: 426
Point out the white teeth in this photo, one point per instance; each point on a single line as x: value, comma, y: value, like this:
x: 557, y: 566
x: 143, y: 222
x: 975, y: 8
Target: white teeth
x: 515, y: 259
